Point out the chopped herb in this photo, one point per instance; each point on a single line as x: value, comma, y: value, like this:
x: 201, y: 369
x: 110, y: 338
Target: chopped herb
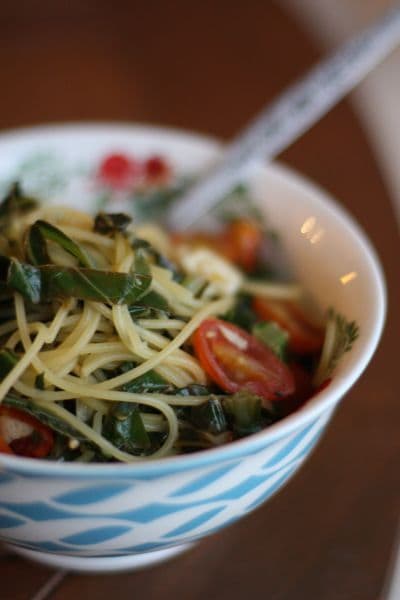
x: 16, y: 202
x: 40, y: 232
x: 339, y: 338
x: 248, y: 413
x: 8, y: 360
x: 209, y: 416
x: 242, y: 313
x: 158, y: 258
x: 106, y: 223
x: 50, y: 282
x: 123, y: 426
x: 152, y: 306
x: 39, y: 382
x: 273, y: 336
x: 147, y: 383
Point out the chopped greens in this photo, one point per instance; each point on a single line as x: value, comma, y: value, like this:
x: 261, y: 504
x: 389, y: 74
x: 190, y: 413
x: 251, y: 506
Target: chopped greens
x: 209, y: 416
x: 247, y: 412
x: 47, y: 282
x: 152, y: 306
x: 339, y: 339
x: 40, y: 232
x: 8, y: 360
x: 39, y: 382
x: 106, y: 223
x: 242, y: 313
x: 159, y: 259
x: 123, y: 426
x: 273, y: 336
x: 149, y: 382
x: 16, y: 202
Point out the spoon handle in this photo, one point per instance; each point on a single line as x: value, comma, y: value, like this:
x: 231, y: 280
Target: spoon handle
x: 290, y: 115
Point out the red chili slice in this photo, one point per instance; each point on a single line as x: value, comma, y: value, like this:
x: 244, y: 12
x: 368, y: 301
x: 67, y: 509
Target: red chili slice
x: 38, y: 444
x: 236, y: 360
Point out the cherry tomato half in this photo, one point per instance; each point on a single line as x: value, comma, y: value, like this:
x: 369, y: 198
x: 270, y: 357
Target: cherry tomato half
x: 37, y: 444
x: 304, y: 337
x: 240, y: 242
x: 246, y: 239
x: 236, y: 360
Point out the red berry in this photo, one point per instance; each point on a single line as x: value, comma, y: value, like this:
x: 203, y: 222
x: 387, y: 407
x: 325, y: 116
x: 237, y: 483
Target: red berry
x: 156, y: 169
x: 117, y: 170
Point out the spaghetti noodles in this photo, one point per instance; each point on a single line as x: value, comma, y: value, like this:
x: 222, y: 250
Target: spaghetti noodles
x: 127, y: 354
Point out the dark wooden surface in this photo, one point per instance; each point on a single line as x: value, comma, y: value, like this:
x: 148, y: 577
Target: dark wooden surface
x: 209, y: 66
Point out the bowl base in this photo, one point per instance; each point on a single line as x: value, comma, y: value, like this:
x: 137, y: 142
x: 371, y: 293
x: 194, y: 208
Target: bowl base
x: 103, y: 564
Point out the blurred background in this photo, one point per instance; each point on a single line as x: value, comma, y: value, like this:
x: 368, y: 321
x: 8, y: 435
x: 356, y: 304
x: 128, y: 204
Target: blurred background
x: 209, y: 66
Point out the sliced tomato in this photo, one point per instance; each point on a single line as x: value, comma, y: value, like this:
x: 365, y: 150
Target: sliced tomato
x: 36, y: 444
x: 304, y: 336
x: 236, y: 360
x: 246, y: 239
x: 239, y: 242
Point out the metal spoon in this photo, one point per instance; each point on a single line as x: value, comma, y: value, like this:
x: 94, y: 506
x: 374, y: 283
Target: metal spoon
x: 295, y: 111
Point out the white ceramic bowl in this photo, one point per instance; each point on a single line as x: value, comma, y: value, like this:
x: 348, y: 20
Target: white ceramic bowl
x: 118, y: 516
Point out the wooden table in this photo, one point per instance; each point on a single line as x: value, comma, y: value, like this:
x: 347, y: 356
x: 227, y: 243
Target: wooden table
x: 209, y: 66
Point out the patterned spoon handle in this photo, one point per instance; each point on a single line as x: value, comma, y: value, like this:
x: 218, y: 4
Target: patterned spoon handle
x: 295, y: 111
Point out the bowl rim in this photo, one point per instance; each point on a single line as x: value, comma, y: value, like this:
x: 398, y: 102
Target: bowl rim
x: 323, y: 401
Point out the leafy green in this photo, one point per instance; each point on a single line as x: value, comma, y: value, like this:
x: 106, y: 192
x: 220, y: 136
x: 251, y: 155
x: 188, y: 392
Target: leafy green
x: 273, y: 336
x: 48, y: 282
x: 40, y: 232
x: 106, y: 223
x: 21, y: 277
x: 159, y: 259
x: 152, y: 306
x: 345, y: 334
x: 142, y: 273
x: 16, y: 202
x: 247, y: 412
x: 123, y: 426
x: 8, y: 360
x: 39, y: 381
x: 150, y: 382
x: 241, y: 313
x: 209, y: 416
